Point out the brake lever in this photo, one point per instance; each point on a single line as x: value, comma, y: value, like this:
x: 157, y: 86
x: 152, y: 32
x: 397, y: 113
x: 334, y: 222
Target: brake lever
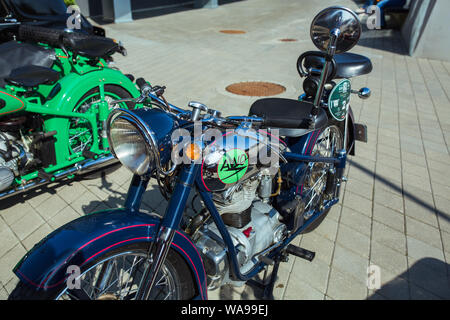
x: 158, y: 91
x: 122, y: 50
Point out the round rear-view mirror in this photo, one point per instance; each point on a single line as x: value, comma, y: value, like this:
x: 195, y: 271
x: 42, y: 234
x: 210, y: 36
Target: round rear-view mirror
x: 340, y: 18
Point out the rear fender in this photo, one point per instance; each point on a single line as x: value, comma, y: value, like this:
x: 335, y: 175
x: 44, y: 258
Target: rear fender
x: 351, y: 127
x: 44, y: 267
x: 350, y: 133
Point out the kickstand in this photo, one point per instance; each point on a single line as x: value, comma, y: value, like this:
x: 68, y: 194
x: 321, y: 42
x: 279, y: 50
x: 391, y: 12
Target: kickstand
x: 267, y: 287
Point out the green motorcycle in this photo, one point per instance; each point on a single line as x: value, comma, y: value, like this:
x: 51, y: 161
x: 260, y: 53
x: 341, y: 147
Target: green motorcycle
x: 55, y: 93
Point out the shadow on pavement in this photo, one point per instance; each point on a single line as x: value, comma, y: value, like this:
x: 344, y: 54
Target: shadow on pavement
x: 386, y: 40
x: 51, y: 188
x: 406, y: 194
x: 151, y: 200
x: 249, y: 292
x: 23, y: 197
x: 425, y: 279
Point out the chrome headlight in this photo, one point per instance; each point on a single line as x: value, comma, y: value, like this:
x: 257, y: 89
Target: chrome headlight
x: 131, y: 143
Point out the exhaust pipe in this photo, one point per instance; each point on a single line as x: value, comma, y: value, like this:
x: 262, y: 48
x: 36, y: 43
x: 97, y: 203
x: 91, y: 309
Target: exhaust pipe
x: 79, y: 168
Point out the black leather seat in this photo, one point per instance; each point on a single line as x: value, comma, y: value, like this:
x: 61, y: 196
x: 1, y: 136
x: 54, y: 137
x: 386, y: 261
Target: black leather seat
x: 92, y: 47
x: 14, y: 55
x: 348, y: 64
x: 32, y: 76
x: 292, y: 117
x: 84, y: 44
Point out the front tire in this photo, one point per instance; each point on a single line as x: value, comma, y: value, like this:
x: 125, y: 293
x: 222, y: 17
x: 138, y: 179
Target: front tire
x: 80, y: 132
x: 116, y: 276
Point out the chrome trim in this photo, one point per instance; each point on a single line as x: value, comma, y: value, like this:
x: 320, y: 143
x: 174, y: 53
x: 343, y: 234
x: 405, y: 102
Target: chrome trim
x: 146, y: 131
x: 78, y: 168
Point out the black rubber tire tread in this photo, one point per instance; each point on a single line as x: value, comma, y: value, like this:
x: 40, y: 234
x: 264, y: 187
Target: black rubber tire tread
x: 114, y: 89
x: 186, y: 284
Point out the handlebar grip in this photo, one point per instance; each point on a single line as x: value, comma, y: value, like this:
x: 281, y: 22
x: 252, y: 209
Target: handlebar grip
x: 142, y: 84
x: 39, y: 34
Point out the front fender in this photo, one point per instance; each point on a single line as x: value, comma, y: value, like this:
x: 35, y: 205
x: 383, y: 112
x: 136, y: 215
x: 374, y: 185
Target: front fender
x: 44, y: 267
x: 72, y: 88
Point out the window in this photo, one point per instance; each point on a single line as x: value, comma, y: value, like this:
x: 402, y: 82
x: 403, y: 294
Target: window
x: 39, y: 8
x: 3, y: 10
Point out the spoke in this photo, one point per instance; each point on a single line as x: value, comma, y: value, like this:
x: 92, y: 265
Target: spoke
x: 326, y: 145
x: 105, y: 273
x: 130, y: 273
x: 79, y: 294
x: 79, y: 134
x: 119, y: 278
x: 313, y: 189
x: 115, y: 281
x: 159, y: 283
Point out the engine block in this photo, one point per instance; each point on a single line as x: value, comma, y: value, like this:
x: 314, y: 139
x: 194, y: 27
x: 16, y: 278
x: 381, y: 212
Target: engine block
x: 262, y: 231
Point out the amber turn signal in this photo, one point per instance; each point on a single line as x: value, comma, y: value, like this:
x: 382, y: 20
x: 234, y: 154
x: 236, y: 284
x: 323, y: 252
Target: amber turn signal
x: 193, y: 152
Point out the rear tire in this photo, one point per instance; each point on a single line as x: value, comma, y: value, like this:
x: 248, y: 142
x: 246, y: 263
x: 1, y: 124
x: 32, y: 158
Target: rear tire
x: 174, y: 271
x: 336, y: 128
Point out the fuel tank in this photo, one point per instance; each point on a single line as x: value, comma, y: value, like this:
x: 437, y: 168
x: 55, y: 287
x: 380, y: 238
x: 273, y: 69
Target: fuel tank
x: 9, y: 103
x: 237, y: 156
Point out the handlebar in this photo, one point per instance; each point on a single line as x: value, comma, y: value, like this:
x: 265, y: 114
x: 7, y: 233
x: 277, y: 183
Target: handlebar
x: 323, y: 55
x: 209, y: 116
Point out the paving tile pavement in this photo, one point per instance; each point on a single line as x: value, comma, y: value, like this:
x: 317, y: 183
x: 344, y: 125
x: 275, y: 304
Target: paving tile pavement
x: 394, y: 212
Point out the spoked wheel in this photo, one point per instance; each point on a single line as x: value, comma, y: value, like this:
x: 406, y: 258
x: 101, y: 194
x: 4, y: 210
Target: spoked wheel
x: 329, y: 141
x: 118, y: 276
x: 81, y: 135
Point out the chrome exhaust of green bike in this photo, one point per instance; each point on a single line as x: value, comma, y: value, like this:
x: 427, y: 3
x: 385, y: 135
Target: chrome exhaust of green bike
x: 79, y: 168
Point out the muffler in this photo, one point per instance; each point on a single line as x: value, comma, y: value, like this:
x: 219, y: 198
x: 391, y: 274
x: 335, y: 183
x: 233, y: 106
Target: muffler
x: 79, y: 168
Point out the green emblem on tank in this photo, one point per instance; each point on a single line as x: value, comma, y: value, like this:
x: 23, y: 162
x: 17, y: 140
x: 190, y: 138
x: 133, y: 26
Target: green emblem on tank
x: 233, y: 166
x: 339, y: 100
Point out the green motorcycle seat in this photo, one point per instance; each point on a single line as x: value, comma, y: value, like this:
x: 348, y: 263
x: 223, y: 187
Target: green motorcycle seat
x: 32, y: 76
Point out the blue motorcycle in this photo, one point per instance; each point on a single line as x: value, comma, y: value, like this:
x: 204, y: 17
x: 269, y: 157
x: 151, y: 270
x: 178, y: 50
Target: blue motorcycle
x: 252, y: 183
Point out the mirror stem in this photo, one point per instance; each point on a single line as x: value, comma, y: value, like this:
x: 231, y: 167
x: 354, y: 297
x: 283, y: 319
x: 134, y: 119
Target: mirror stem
x: 334, y: 35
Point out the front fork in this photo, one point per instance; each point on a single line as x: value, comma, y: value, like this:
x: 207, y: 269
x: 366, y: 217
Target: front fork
x: 167, y: 229
x: 103, y: 113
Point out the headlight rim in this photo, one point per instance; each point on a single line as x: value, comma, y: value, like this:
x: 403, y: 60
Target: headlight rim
x: 146, y: 133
